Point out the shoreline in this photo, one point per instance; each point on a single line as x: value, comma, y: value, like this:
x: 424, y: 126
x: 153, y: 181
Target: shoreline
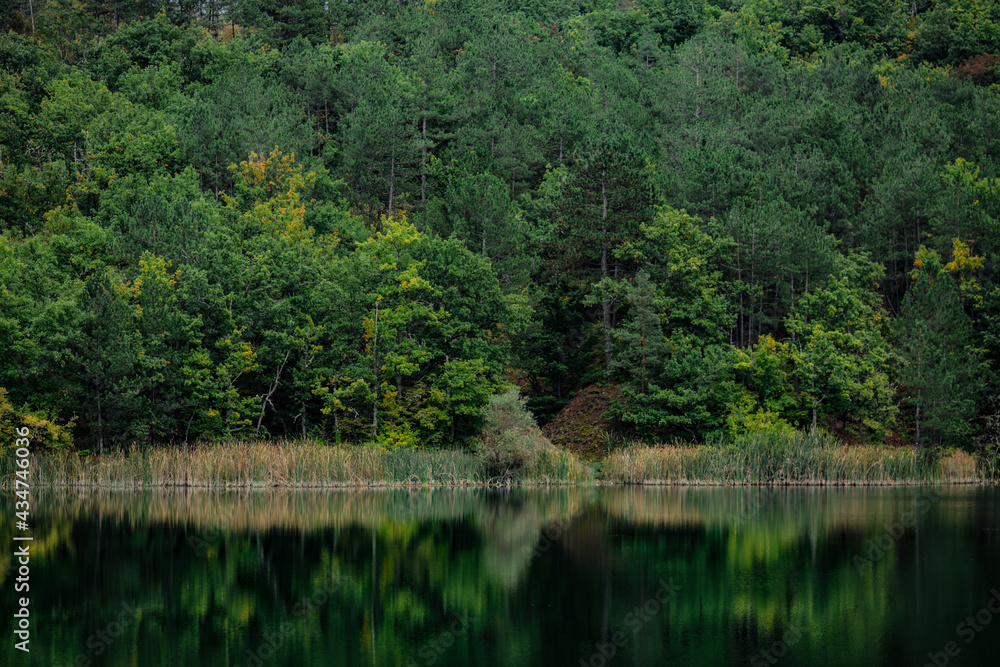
x: 365, y: 486
x: 304, y: 465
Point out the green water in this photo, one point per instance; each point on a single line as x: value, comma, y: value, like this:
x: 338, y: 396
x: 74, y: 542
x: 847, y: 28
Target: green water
x: 681, y: 576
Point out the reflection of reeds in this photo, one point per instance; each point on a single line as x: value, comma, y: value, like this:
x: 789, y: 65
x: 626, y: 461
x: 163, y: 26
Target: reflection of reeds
x: 793, y: 510
x: 302, y: 464
x: 260, y: 510
x: 794, y: 459
x: 510, y: 521
x: 499, y: 513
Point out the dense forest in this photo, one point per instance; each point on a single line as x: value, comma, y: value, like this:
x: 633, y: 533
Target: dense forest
x: 356, y: 221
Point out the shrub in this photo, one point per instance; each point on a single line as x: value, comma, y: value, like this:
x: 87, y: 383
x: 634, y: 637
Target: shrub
x: 511, y: 442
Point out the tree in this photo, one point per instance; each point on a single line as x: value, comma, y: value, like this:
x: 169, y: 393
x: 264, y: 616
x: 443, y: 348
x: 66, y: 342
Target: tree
x: 281, y: 22
x: 499, y: 72
x: 840, y: 351
x: 110, y: 377
x: 419, y: 338
x: 172, y: 352
x: 41, y: 322
x: 609, y: 196
x: 765, y: 372
x: 477, y: 209
x: 942, y: 370
x: 380, y: 148
x: 273, y: 260
x: 242, y: 112
x: 673, y: 358
x: 642, y: 343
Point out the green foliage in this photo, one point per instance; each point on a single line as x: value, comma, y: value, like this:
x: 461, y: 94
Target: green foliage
x: 44, y: 428
x: 243, y: 111
x: 206, y: 217
x: 675, y: 364
x: 280, y: 22
x: 943, y: 371
x: 765, y: 373
x: 512, y: 447
x: 477, y: 209
x: 841, y: 355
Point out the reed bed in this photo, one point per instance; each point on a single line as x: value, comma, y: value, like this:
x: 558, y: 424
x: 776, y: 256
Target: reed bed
x: 292, y: 464
x: 796, y: 458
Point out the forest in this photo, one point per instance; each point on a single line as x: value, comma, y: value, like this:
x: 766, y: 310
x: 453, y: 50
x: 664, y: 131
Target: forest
x: 358, y: 221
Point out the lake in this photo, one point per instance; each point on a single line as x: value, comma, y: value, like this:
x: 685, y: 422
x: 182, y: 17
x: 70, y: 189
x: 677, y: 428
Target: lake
x: 581, y: 576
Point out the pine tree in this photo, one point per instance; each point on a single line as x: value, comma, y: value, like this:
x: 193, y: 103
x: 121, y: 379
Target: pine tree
x: 609, y: 196
x: 942, y: 370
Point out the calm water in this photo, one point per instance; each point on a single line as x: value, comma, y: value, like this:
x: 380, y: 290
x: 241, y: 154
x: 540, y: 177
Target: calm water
x: 683, y: 576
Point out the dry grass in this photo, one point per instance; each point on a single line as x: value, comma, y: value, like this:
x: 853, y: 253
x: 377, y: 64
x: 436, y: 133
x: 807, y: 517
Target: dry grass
x: 255, y: 464
x: 787, y: 459
x: 288, y: 464
x: 525, y: 459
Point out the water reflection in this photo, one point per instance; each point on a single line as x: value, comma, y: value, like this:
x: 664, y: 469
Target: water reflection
x: 626, y: 576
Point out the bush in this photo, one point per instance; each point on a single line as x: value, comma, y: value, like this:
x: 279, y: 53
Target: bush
x: 511, y: 444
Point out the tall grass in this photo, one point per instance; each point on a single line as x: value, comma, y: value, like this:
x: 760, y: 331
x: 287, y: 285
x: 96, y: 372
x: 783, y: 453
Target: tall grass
x: 512, y: 452
x: 794, y: 458
x: 252, y: 464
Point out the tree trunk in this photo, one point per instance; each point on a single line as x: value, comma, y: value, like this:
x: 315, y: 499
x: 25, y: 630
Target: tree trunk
x: 423, y: 161
x: 100, y: 426
x: 399, y: 376
x: 815, y: 404
x: 375, y: 373
x: 605, y: 302
x: 643, y: 389
x: 31, y: 11
x: 266, y: 398
x: 392, y: 179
